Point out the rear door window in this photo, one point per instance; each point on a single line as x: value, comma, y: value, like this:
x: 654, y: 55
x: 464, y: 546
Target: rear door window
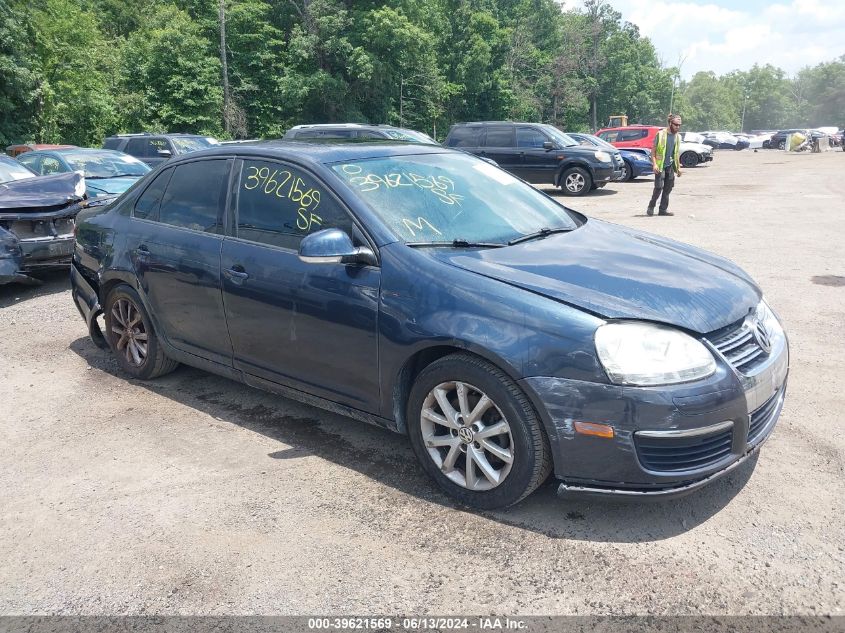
x: 195, y: 196
x: 499, y: 136
x: 465, y: 136
x: 279, y: 204
x: 146, y: 147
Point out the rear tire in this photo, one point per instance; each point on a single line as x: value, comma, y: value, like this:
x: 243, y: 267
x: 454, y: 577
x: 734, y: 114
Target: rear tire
x: 629, y: 172
x: 130, y: 334
x: 476, y: 433
x: 575, y: 181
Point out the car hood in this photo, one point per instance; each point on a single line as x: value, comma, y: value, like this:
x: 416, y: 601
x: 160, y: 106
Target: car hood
x: 100, y: 186
x: 42, y: 192
x: 619, y: 273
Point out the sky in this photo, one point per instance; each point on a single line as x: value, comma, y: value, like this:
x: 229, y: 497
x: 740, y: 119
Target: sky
x: 726, y: 35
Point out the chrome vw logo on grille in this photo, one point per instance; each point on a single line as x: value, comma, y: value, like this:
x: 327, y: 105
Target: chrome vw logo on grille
x: 761, y: 335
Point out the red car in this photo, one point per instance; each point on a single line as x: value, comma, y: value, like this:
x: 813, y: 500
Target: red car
x: 16, y: 150
x: 630, y: 136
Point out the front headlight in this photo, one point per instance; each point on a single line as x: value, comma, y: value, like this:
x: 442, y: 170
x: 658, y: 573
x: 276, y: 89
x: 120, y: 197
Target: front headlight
x: 646, y: 355
x: 602, y: 157
x: 768, y: 320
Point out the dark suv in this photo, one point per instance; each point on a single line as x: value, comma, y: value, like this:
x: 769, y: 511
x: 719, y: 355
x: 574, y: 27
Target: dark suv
x: 157, y: 148
x: 355, y: 131
x: 539, y: 153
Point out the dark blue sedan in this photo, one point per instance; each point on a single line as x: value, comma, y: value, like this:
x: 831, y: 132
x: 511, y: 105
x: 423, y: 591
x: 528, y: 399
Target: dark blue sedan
x: 637, y: 161
x: 432, y: 293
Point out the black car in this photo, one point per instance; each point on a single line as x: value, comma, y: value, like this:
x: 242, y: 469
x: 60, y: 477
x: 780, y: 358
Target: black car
x: 779, y: 138
x: 540, y: 154
x: 154, y: 149
x: 432, y: 293
x: 355, y: 132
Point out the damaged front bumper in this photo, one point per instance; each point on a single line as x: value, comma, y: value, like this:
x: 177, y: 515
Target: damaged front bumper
x: 32, y: 242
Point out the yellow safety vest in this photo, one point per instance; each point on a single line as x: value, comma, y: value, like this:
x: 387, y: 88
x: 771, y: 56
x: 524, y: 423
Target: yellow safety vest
x: 661, y: 149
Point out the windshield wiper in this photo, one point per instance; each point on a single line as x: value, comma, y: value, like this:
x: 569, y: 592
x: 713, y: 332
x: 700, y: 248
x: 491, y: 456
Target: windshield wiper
x: 541, y: 233
x: 457, y: 243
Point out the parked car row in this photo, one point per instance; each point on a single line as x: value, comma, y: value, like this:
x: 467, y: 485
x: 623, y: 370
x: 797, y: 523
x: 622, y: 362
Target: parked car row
x: 641, y: 138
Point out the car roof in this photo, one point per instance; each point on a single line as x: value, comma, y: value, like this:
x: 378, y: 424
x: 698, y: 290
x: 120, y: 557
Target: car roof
x: 318, y: 152
x: 62, y: 151
x: 150, y: 134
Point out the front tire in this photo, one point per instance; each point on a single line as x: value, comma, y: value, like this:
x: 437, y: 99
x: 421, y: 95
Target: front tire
x: 575, y: 181
x: 689, y: 159
x: 476, y: 434
x: 131, y: 337
x: 629, y: 172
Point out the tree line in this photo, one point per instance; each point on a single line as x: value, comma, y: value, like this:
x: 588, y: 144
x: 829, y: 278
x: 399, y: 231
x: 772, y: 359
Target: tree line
x: 75, y: 71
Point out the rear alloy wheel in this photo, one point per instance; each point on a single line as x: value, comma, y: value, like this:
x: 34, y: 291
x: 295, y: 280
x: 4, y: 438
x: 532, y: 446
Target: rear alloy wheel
x: 131, y: 337
x: 575, y: 181
x: 689, y: 159
x: 475, y: 432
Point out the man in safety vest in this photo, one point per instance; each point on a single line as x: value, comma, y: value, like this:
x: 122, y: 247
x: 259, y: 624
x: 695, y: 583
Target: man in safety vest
x: 665, y: 163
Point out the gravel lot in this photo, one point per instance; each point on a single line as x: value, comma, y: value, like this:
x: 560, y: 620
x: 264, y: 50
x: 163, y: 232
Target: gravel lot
x: 193, y: 494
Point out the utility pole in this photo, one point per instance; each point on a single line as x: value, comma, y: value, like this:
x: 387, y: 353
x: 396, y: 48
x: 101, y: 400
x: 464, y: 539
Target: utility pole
x: 742, y: 121
x: 226, y: 96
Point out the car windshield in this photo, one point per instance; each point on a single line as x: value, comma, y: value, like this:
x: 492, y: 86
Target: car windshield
x: 105, y: 164
x: 563, y: 139
x: 187, y: 144
x: 444, y: 198
x: 13, y: 170
x: 411, y: 135
x: 596, y: 141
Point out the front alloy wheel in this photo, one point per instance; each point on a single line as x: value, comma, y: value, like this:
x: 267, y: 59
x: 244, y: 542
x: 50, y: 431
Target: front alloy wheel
x: 476, y: 433
x: 466, y: 435
x: 575, y: 181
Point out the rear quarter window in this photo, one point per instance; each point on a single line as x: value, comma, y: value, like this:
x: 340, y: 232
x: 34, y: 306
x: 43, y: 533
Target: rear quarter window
x: 112, y: 143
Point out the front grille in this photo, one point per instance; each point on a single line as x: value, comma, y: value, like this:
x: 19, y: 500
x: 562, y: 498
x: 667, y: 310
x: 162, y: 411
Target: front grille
x: 759, y: 419
x: 740, y: 348
x: 673, y: 454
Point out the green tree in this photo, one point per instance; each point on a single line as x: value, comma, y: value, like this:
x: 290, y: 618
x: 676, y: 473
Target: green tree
x: 20, y: 76
x: 171, y: 80
x: 76, y: 101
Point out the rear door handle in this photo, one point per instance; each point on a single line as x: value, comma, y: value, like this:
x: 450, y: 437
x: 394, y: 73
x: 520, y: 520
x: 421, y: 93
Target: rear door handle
x: 143, y: 251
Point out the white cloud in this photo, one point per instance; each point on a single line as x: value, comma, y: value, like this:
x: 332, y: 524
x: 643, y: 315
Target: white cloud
x: 707, y: 36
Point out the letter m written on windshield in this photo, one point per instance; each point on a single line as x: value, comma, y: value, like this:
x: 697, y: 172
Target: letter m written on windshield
x: 411, y: 225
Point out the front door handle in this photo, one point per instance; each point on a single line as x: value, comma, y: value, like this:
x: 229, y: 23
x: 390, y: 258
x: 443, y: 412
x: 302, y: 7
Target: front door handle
x: 237, y: 274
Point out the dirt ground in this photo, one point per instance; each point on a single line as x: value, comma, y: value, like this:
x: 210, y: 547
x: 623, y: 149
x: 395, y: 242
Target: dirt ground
x: 193, y: 494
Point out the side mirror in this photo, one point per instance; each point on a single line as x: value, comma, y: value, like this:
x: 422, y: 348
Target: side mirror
x: 333, y: 246
x: 548, y: 145
x: 164, y: 153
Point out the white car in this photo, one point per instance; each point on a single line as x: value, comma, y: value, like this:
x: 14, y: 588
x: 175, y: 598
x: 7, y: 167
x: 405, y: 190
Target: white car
x: 693, y: 151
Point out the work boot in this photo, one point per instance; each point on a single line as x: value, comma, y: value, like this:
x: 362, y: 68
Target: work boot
x: 649, y: 211
x: 665, y: 213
